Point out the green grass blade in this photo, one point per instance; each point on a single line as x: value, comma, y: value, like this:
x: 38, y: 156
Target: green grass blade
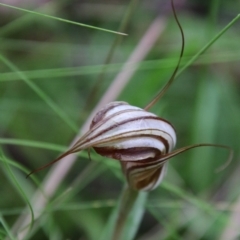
x: 18, y: 187
x: 23, y: 169
x: 12, y: 211
x: 30, y: 143
x: 203, y: 205
x: 97, y: 85
x: 41, y: 94
x: 170, y: 228
x: 97, y: 204
x: 22, y: 21
x: 61, y: 19
x: 135, y: 217
x: 208, y: 45
x: 5, y: 226
x: 131, y: 205
x: 112, y: 165
x: 205, y: 59
x: 204, y: 118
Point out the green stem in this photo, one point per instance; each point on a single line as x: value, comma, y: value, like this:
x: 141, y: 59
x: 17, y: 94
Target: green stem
x: 97, y: 86
x: 61, y: 19
x: 127, y: 201
x: 209, y: 44
x: 18, y: 187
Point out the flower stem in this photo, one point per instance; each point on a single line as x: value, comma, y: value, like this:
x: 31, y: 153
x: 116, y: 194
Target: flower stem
x: 127, y: 201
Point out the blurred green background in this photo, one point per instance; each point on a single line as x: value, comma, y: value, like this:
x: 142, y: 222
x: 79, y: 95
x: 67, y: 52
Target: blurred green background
x: 44, y: 60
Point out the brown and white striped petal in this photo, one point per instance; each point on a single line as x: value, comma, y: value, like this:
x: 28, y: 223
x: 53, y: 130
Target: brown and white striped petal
x: 128, y: 133
x: 144, y: 177
x: 135, y: 137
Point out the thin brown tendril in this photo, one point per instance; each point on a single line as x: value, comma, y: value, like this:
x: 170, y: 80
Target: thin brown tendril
x: 49, y: 164
x: 183, y: 149
x: 89, y: 153
x: 170, y: 81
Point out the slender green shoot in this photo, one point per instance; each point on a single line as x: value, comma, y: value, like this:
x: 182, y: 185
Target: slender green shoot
x: 61, y: 19
x: 116, y: 42
x: 23, y: 169
x: 31, y: 143
x: 208, y: 45
x: 41, y: 94
x: 56, y: 73
x: 7, y: 229
x: 18, y: 187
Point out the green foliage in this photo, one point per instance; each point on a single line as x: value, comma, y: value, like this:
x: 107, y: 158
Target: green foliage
x: 47, y: 72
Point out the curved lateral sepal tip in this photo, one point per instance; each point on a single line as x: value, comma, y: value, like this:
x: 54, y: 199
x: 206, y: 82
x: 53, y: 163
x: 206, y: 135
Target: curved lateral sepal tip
x: 184, y: 149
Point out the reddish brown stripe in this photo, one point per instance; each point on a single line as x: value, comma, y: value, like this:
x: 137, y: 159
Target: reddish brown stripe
x: 152, y: 179
x: 159, y: 138
x: 100, y: 115
x: 142, y: 165
x: 143, y: 178
x: 120, y: 154
x: 124, y: 122
x: 80, y: 143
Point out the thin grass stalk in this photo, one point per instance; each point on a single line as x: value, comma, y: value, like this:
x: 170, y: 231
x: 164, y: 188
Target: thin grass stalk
x: 206, y: 59
x: 127, y: 201
x: 213, y: 14
x: 18, y: 187
x: 208, y: 45
x: 37, y: 144
x: 17, y: 24
x: 206, y: 95
x: 60, y: 19
x: 59, y: 171
x: 123, y: 25
x: 6, y: 228
x: 232, y: 230
x: 167, y: 230
x: 40, y: 93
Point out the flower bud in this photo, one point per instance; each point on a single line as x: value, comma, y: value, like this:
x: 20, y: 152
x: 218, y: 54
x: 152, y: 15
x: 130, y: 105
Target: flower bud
x: 140, y: 140
x: 135, y: 137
